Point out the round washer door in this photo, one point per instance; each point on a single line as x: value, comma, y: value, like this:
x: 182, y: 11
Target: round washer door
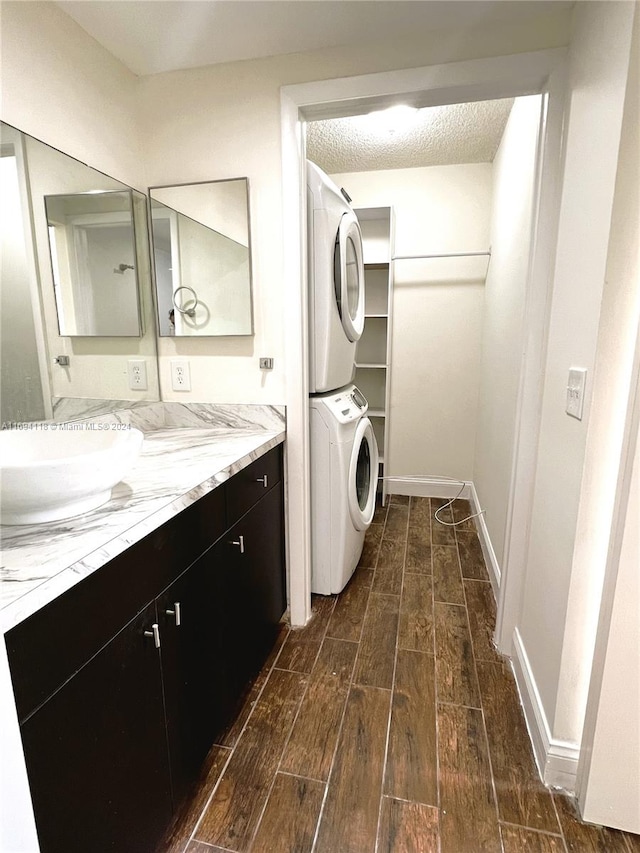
x: 363, y: 475
x: 349, y: 275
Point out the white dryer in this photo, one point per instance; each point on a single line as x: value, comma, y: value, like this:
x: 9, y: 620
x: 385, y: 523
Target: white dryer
x: 336, y: 283
x: 344, y: 479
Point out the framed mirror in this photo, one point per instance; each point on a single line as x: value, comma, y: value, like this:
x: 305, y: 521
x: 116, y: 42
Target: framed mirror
x: 92, y: 245
x: 53, y: 366
x: 202, y: 258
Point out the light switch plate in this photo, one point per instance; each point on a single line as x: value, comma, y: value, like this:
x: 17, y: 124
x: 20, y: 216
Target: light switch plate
x: 575, y: 392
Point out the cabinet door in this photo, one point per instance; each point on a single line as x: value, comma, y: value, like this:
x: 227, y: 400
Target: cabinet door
x: 96, y: 752
x: 254, y: 586
x: 196, y: 701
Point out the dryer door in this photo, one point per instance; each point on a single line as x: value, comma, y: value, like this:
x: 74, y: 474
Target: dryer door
x: 349, y: 275
x: 363, y: 475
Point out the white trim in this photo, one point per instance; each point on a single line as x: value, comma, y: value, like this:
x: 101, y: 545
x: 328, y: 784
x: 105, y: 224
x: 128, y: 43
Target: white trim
x: 432, y: 85
x: 453, y: 82
x: 544, y: 231
x: 426, y: 487
x: 298, y: 518
x: 488, y: 551
x: 557, y: 760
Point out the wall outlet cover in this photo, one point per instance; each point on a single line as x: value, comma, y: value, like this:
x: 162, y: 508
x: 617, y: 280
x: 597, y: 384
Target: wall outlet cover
x: 180, y: 374
x: 137, y: 371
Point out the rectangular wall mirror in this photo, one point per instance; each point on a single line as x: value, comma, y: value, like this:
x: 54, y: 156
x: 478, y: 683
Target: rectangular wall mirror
x: 82, y: 307
x: 93, y: 258
x: 202, y: 258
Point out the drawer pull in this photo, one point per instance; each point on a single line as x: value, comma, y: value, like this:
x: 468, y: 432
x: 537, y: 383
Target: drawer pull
x: 155, y: 633
x: 263, y: 480
x: 175, y: 612
x: 239, y: 542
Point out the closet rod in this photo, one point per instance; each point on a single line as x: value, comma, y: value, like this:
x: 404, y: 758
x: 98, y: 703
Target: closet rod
x: 446, y: 255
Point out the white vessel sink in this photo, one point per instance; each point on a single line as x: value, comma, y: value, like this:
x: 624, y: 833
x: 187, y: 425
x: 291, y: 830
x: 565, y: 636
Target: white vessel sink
x: 60, y: 472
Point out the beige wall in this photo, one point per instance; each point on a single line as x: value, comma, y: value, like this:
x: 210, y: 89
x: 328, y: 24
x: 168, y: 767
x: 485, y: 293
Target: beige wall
x: 224, y: 121
x: 437, y: 311
x: 551, y: 621
x: 609, y: 783
x: 514, y: 170
x: 61, y: 86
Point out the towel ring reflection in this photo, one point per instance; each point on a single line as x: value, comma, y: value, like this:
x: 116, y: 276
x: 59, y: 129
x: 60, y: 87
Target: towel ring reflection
x: 189, y: 312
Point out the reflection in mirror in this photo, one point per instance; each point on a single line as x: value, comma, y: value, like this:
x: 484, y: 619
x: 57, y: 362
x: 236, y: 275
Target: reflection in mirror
x: 92, y: 245
x: 96, y: 379
x: 202, y: 256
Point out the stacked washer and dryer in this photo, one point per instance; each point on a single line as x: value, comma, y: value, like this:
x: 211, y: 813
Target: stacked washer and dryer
x: 343, y: 449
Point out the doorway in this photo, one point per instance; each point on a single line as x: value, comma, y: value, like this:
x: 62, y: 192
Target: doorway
x: 503, y: 77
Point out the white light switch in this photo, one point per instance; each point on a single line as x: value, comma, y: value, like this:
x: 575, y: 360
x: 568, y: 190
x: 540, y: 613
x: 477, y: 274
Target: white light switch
x: 575, y: 391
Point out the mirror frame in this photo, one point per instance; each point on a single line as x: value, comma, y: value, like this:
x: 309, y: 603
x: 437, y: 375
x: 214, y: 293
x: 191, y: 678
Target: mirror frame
x: 244, y: 178
x: 134, y: 245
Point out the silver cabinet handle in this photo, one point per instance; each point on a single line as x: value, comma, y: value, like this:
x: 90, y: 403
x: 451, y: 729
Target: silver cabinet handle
x: 175, y: 612
x: 263, y: 480
x: 155, y: 633
x: 239, y: 542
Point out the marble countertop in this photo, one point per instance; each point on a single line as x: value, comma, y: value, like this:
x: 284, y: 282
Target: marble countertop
x: 177, y: 466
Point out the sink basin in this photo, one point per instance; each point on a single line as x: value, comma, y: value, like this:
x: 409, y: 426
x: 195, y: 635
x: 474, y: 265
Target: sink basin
x: 58, y: 471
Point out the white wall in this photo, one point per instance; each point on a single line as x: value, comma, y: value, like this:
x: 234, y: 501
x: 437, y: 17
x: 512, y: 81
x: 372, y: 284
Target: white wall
x: 612, y: 789
x: 609, y: 777
x: 557, y: 577
x: 437, y: 311
x: 61, y: 86
x: 504, y: 302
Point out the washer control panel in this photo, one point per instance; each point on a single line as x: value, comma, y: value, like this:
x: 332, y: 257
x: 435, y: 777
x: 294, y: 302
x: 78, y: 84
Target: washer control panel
x: 346, y: 405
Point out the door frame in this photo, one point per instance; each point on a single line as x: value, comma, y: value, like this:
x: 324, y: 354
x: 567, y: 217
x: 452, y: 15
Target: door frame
x: 538, y: 72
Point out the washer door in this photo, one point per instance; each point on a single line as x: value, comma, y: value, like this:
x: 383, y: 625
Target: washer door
x: 363, y: 475
x: 348, y: 276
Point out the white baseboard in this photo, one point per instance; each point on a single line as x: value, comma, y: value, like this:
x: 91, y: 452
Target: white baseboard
x: 432, y: 487
x: 557, y: 760
x: 485, y: 541
x: 427, y: 487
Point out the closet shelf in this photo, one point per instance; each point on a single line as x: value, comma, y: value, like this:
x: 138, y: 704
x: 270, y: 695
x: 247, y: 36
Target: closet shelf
x: 374, y: 365
x: 373, y: 354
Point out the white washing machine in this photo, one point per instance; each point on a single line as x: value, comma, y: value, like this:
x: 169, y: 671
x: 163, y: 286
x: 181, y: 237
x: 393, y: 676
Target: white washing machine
x: 344, y: 479
x: 336, y: 283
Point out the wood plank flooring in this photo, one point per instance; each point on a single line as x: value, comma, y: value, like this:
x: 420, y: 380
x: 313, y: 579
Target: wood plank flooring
x: 389, y: 724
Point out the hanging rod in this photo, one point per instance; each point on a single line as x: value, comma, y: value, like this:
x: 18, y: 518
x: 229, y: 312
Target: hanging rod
x: 444, y: 255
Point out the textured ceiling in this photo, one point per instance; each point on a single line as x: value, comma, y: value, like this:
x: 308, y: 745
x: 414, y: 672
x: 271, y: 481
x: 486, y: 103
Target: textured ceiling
x: 441, y: 136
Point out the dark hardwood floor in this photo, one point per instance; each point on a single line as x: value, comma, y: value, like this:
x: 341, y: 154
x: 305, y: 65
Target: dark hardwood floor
x: 389, y: 724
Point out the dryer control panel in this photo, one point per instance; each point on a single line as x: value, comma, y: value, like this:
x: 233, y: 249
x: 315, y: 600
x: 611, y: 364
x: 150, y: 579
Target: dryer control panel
x: 346, y: 405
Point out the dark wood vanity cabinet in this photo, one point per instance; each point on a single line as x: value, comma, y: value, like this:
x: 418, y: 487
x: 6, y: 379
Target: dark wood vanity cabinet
x: 96, y: 751
x: 115, y: 735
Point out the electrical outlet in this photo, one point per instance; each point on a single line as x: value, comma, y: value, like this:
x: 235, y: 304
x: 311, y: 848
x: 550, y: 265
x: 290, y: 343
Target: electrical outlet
x: 137, y: 369
x: 180, y: 374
